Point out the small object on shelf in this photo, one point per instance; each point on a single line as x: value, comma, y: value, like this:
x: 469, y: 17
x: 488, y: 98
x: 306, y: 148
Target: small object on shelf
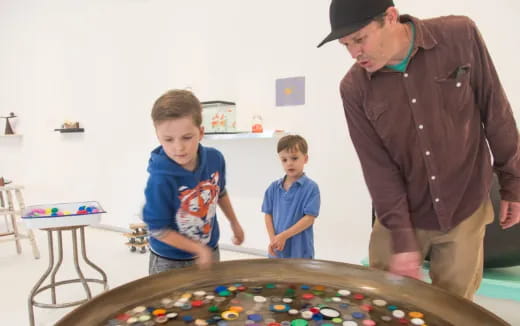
x: 138, y: 238
x: 69, y: 126
x: 8, y: 128
x: 257, y: 125
x: 218, y: 116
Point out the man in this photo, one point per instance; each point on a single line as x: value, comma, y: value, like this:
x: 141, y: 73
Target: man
x: 422, y: 102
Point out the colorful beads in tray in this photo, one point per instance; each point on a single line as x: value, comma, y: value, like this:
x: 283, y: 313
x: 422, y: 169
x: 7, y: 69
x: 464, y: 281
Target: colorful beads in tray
x: 54, y: 211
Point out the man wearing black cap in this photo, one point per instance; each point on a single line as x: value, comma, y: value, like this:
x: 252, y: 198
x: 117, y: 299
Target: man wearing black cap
x: 422, y: 103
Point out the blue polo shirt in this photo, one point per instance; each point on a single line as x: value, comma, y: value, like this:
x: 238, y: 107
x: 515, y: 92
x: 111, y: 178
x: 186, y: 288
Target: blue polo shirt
x: 287, y: 208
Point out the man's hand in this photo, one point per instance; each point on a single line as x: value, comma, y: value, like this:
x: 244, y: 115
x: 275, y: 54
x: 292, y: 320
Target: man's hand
x: 238, y: 233
x: 509, y: 213
x: 406, y: 264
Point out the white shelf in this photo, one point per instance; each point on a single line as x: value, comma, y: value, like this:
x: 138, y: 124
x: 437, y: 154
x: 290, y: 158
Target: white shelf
x: 246, y: 135
x: 13, y: 136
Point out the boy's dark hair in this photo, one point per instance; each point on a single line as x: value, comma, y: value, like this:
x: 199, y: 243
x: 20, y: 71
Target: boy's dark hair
x: 175, y: 104
x: 292, y: 143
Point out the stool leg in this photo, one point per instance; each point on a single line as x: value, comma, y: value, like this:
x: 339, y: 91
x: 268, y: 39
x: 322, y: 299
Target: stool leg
x: 76, y: 264
x: 30, y: 234
x: 40, y: 281
x: 84, y: 252
x: 55, y: 270
x: 13, y: 220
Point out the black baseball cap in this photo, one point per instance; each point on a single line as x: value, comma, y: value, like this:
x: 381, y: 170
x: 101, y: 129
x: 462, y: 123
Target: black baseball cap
x: 348, y: 16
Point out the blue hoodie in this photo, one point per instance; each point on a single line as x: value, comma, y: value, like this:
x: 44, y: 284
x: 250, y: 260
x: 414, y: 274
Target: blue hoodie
x: 184, y: 201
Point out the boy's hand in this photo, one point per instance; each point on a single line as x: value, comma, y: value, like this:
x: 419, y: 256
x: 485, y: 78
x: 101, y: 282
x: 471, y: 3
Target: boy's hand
x: 204, y: 257
x: 271, y: 251
x: 238, y: 233
x: 278, y: 242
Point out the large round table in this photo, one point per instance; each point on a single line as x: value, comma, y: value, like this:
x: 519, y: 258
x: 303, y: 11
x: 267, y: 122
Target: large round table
x: 360, y: 295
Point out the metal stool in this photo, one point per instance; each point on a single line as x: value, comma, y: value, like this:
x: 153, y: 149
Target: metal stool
x: 53, y: 269
x: 7, y: 208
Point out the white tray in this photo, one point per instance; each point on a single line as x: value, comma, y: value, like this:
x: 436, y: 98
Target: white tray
x: 46, y: 221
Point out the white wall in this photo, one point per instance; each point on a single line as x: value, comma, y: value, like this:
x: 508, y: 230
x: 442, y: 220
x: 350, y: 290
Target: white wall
x: 103, y: 63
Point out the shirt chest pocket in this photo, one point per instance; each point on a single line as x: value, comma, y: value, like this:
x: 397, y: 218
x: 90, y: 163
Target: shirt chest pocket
x: 455, y: 90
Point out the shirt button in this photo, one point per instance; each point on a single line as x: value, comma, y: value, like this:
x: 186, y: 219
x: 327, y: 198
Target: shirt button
x: 414, y: 100
x: 434, y: 177
x: 427, y: 153
x: 405, y: 75
x: 437, y: 200
x: 458, y: 84
x: 421, y: 127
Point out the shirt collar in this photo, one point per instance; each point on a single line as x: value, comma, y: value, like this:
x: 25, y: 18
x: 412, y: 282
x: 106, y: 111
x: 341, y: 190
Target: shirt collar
x: 301, y: 180
x: 423, y: 39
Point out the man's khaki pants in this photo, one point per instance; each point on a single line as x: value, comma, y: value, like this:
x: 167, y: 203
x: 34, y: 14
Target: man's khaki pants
x: 456, y: 256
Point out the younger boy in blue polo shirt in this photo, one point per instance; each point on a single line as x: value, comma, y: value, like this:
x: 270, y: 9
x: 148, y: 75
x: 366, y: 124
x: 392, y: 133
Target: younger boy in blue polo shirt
x: 291, y: 204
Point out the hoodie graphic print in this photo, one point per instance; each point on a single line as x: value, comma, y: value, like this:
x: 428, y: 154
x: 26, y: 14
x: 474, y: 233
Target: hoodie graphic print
x: 198, y: 209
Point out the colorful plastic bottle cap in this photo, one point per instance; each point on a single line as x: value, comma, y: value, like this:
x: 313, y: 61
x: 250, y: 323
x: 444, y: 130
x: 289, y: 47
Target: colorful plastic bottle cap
x: 274, y: 324
x: 386, y: 318
x: 132, y: 320
x: 307, y: 314
x: 369, y: 322
x: 417, y: 321
x: 358, y: 315
x: 187, y: 318
x: 287, y: 300
x: 224, y: 293
x: 366, y: 307
x: 343, y: 305
x: 230, y: 315
x: 159, y: 312
x: 222, y: 323
x: 392, y: 307
x: 139, y: 309
x: 336, y: 299
x: 398, y: 313
x: 199, y: 293
x: 344, y: 293
x: 293, y: 312
x: 220, y: 299
x: 241, y: 288
x: 210, y: 297
x: 186, y: 306
x: 286, y: 323
x: 270, y: 286
x: 307, y: 296
x: 269, y: 321
x: 403, y: 321
x: 329, y: 313
x: 200, y: 322
x: 350, y: 323
x: 232, y: 288
x: 337, y: 320
x: 255, y: 317
x: 197, y: 303
x: 279, y: 307
x: 359, y: 296
x: 220, y: 288
x: 317, y: 317
x: 379, y: 302
x: 144, y: 318
x: 299, y: 322
x: 259, y: 299
x: 415, y: 314
x: 166, y: 301
x: 172, y: 315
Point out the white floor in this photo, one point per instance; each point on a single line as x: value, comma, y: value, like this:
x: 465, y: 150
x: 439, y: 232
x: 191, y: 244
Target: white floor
x: 18, y: 274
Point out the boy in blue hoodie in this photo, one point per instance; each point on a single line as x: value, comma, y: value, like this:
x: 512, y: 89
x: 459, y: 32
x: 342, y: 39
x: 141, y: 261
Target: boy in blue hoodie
x: 187, y: 181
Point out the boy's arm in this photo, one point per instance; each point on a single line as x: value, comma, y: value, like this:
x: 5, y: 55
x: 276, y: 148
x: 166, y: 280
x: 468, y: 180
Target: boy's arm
x: 225, y: 205
x: 177, y: 240
x: 270, y: 231
x: 279, y: 240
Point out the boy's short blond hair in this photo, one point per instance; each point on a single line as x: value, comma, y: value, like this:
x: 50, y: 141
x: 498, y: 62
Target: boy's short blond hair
x: 292, y: 143
x: 175, y: 104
